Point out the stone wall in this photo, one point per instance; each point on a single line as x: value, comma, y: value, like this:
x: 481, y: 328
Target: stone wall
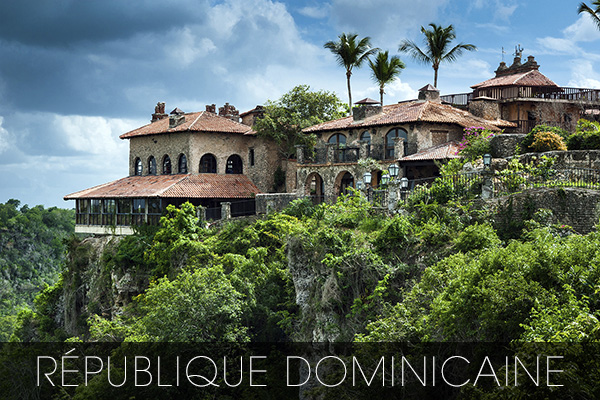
x: 576, y: 207
x: 567, y: 159
x: 222, y: 145
x: 267, y: 202
x: 505, y: 145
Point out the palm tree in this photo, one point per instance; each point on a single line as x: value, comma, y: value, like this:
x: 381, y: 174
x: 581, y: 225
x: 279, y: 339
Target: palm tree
x: 351, y: 53
x: 437, y: 41
x: 385, y: 70
x: 595, y: 14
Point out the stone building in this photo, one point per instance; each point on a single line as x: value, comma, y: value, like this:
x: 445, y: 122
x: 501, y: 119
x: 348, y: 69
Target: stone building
x: 202, y: 157
x: 410, y: 133
x: 522, y: 94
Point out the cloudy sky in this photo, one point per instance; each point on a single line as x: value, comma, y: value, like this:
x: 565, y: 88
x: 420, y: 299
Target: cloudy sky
x: 74, y: 74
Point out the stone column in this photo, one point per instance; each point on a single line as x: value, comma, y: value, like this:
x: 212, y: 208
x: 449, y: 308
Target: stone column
x: 201, y: 215
x: 393, y: 194
x: 330, y: 157
x: 487, y: 189
x: 300, y: 153
x: 363, y: 149
x: 398, y: 147
x: 226, y: 210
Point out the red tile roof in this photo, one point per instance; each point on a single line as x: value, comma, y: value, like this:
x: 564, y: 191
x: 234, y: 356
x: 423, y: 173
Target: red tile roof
x: 440, y: 152
x: 528, y: 78
x: 202, y: 121
x: 231, y: 186
x: 413, y: 111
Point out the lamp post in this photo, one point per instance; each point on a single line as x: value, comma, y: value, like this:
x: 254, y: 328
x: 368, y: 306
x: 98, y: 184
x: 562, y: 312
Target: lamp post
x: 385, y: 179
x: 487, y: 161
x: 394, y: 169
x: 487, y: 189
x: 403, y: 187
x: 367, y: 181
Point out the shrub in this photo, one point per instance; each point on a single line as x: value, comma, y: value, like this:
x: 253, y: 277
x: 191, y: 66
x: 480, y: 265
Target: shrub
x: 530, y: 137
x: 586, y: 136
x: 475, y: 143
x: 547, y: 141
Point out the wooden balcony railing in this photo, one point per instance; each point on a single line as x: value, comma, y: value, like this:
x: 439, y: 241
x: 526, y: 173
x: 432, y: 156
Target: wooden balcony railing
x: 525, y: 92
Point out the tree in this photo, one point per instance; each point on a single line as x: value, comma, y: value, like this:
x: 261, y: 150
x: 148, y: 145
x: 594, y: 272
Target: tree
x: 594, y: 13
x: 300, y: 108
x: 351, y: 53
x: 437, y: 41
x: 385, y: 70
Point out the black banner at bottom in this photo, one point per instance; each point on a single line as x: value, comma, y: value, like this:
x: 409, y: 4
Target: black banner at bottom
x: 299, y: 370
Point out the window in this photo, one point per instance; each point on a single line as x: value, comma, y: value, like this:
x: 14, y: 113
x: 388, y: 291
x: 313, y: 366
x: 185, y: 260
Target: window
x: 139, y: 169
x: 337, y: 138
x: 234, y: 165
x: 366, y: 136
x: 208, y: 164
x: 251, y: 157
x: 166, y: 169
x: 389, y: 141
x: 182, y: 164
x: 151, y: 166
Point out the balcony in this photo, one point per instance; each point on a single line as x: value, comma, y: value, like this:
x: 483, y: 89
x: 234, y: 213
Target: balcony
x: 346, y: 154
x: 525, y: 92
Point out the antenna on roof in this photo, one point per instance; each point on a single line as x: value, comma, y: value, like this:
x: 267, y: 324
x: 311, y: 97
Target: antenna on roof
x: 519, y: 51
x: 503, y: 53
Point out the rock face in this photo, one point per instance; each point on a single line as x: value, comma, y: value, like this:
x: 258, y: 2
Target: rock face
x: 92, y: 284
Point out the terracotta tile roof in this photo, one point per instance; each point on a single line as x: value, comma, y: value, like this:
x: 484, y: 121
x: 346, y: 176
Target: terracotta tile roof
x: 203, y: 186
x: 528, y: 78
x: 440, y: 152
x: 202, y: 121
x: 413, y: 111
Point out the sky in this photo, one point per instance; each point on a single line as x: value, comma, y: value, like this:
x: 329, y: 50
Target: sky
x: 74, y: 75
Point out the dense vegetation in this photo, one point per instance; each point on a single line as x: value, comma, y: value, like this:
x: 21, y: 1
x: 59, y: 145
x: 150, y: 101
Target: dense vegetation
x: 32, y: 253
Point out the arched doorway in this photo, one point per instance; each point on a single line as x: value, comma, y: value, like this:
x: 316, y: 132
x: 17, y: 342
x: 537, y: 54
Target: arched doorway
x: 315, y: 188
x: 343, y: 182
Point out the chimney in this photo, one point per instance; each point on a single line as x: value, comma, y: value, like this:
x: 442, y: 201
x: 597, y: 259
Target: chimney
x: 429, y: 93
x: 211, y: 108
x: 229, y: 111
x: 159, y: 112
x: 366, y: 108
x: 176, y: 118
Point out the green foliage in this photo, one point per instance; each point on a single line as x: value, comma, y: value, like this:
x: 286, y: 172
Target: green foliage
x: 530, y: 138
x: 476, y: 237
x: 32, y: 253
x: 300, y: 108
x: 475, y: 143
x: 586, y: 136
x: 199, y: 305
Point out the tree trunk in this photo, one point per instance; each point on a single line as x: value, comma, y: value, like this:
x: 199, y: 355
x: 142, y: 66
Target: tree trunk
x: 348, y: 74
x: 381, y: 94
x: 435, y: 76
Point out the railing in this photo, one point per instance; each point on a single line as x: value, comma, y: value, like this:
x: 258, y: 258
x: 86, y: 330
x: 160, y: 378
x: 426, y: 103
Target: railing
x: 528, y: 92
x: 349, y: 154
x: 505, y: 184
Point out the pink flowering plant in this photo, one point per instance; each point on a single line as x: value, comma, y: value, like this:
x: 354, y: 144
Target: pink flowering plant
x: 475, y: 143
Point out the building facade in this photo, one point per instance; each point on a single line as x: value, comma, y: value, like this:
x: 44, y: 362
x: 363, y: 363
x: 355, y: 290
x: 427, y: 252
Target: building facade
x: 413, y: 134
x: 203, y: 157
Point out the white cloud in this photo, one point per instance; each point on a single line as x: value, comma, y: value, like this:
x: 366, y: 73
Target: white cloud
x: 558, y: 45
x: 583, y: 75
x: 317, y: 12
x: 184, y: 47
x: 584, y: 30
x: 94, y: 135
x: 5, y: 137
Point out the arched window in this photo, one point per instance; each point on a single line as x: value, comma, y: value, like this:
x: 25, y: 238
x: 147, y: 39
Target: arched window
x: 182, y: 164
x: 139, y: 168
x: 152, y: 166
x: 337, y: 138
x: 234, y: 165
x: 366, y: 136
x: 389, y: 141
x: 208, y: 164
x: 346, y: 182
x: 166, y: 165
